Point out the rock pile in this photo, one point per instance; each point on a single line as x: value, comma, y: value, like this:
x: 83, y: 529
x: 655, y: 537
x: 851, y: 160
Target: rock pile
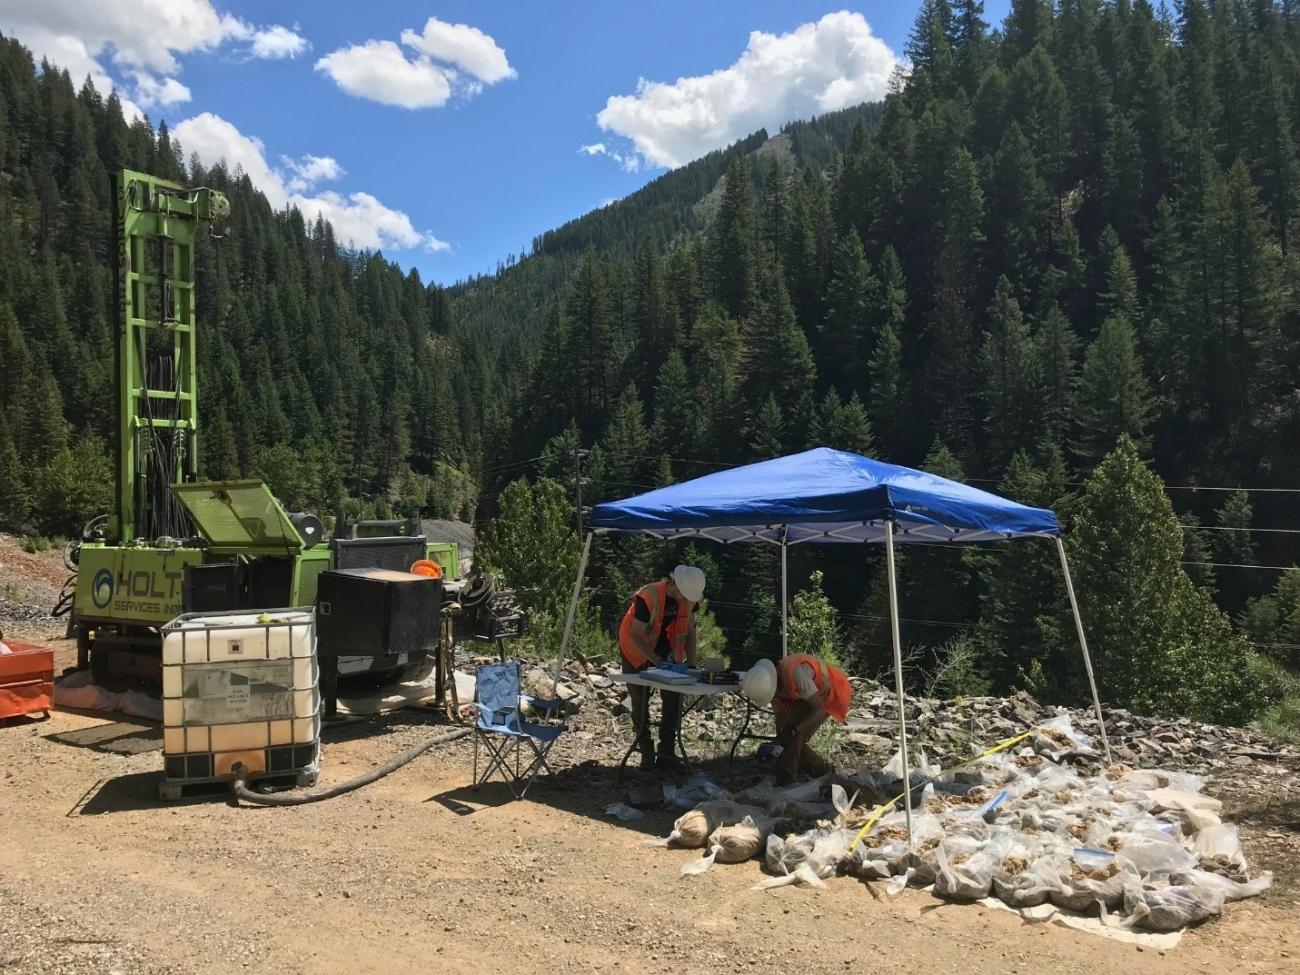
x: 949, y: 730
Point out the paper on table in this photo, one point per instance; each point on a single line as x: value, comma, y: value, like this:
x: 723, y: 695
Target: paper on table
x: 667, y: 676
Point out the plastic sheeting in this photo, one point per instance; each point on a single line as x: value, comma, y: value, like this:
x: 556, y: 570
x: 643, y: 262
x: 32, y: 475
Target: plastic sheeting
x: 1142, y: 851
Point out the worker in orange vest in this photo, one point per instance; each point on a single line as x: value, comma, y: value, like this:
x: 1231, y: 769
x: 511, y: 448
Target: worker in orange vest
x: 804, y: 691
x: 659, y: 627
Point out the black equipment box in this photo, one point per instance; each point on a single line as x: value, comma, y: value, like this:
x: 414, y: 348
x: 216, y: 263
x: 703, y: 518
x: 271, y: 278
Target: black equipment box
x: 396, y: 552
x: 376, y: 612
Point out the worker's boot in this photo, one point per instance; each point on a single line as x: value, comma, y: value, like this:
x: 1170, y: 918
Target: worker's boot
x: 667, y: 760
x: 813, y: 765
x: 647, y: 749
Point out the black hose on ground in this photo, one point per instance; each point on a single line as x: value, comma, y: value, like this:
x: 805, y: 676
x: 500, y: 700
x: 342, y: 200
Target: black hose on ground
x: 298, y: 799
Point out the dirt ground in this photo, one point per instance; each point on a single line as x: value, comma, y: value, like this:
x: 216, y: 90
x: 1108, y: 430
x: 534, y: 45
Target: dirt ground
x: 97, y: 876
x: 418, y: 872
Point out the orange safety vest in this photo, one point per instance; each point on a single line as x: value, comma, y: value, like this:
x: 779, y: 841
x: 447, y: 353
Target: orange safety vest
x: 655, y: 596
x: 832, y: 685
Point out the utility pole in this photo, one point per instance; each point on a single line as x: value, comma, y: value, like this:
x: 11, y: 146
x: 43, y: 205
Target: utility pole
x: 578, y: 454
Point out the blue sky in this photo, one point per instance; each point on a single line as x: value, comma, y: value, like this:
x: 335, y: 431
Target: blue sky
x: 451, y: 142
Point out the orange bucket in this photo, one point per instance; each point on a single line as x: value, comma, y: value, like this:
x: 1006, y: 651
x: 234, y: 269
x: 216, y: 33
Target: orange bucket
x: 427, y: 567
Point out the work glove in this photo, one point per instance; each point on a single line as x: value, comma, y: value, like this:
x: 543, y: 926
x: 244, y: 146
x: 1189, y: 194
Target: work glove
x: 680, y: 669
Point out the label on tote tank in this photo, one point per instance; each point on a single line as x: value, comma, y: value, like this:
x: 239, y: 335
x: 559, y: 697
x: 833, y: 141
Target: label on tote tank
x: 225, y: 693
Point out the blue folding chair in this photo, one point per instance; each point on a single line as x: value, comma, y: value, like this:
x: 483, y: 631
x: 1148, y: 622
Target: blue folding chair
x: 497, y: 694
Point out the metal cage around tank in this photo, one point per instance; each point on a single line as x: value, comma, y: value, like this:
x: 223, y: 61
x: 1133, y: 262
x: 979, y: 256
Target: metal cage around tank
x: 240, y: 689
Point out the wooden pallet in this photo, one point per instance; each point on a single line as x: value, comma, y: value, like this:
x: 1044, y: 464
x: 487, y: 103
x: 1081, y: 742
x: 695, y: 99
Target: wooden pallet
x: 173, y: 790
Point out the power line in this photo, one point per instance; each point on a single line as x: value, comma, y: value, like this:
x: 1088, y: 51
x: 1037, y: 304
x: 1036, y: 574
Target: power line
x: 1243, y: 565
x: 1229, y: 528
x: 1167, y: 487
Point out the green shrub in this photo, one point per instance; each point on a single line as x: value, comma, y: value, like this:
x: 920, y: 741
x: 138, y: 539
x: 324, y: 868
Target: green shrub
x: 73, y: 487
x: 532, y: 546
x: 961, y: 671
x: 814, y: 623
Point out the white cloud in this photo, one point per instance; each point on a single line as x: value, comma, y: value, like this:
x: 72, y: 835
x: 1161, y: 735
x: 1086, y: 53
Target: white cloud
x: 277, y: 42
x: 444, y: 55
x: 140, y: 38
x: 378, y: 70
x: 306, y: 172
x: 630, y: 161
x: 154, y: 91
x: 464, y: 46
x: 362, y: 221
x: 359, y: 219
x: 818, y: 67
x: 214, y: 140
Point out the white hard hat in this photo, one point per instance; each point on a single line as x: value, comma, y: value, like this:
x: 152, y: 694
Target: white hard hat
x: 759, y: 684
x: 690, y: 582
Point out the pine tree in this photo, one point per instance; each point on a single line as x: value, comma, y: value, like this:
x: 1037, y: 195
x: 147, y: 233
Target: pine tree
x: 1114, y: 399
x: 971, y: 49
x: 532, y: 545
x: 628, y: 462
x: 676, y: 421
x: 1161, y: 644
x: 843, y: 339
x: 716, y: 363
x: 1028, y: 25
x: 843, y: 426
x: 45, y: 431
x: 1039, y: 103
x: 1020, y: 198
x: 15, y: 483
x: 734, y: 243
x: 929, y: 50
x: 1056, y: 348
x: 1198, y: 553
x: 1235, y: 545
x: 887, y: 394
x: 654, y: 320
x: 1011, y: 379
x: 780, y: 361
x: 1019, y: 619
x: 767, y: 431
x: 1119, y: 298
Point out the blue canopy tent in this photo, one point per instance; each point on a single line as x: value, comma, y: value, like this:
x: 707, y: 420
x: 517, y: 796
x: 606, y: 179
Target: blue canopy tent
x: 829, y: 496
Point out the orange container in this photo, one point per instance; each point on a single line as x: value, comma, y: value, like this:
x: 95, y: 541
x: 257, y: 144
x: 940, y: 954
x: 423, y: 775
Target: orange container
x: 26, y: 680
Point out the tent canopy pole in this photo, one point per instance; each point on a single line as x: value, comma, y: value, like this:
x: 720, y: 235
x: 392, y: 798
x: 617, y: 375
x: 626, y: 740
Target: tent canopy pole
x: 1083, y: 643
x: 573, y: 611
x: 785, y: 594
x: 898, y: 674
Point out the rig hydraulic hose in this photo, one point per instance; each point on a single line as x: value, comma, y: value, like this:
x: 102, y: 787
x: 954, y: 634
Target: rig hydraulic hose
x: 298, y: 799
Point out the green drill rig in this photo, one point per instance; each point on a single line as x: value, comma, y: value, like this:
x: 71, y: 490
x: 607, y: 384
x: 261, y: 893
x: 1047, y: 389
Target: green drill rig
x: 131, y: 563
x: 174, y: 544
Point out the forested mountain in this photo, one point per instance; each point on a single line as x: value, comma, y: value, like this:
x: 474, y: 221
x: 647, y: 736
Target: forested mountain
x: 332, y: 373
x: 1077, y: 228
x: 1074, y: 231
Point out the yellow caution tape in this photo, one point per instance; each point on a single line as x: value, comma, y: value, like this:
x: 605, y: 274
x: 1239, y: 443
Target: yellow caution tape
x: 880, y: 810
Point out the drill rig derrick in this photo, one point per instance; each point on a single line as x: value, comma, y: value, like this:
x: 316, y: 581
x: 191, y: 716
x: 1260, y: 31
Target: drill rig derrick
x: 129, y: 574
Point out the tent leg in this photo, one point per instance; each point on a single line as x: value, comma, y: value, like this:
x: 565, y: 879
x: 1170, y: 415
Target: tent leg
x: 573, y: 612
x: 898, y: 676
x: 785, y: 597
x: 1083, y: 642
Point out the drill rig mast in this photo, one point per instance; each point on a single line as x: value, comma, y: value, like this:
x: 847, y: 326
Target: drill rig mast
x: 130, y: 571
